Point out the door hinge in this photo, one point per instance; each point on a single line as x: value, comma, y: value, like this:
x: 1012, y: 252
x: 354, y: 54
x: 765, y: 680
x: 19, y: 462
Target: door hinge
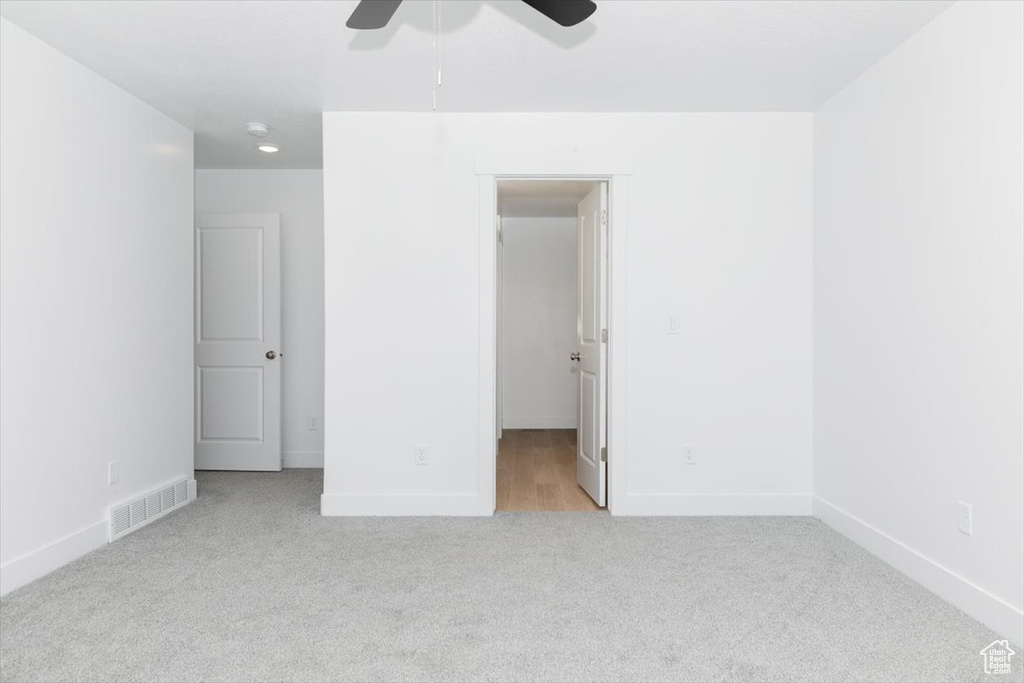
x: 604, y: 217
x: 604, y: 335
x: 604, y: 454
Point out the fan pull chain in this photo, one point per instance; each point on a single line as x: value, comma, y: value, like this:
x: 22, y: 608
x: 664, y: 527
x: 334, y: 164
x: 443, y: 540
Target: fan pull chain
x: 437, y: 43
x: 437, y: 52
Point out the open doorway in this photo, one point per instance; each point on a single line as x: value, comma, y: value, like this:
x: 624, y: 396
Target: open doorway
x: 551, y: 388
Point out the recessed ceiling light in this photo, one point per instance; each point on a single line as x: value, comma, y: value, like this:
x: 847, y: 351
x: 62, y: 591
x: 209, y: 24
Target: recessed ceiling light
x: 268, y: 147
x: 260, y: 130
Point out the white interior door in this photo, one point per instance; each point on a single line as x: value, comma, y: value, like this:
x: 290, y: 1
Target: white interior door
x: 238, y: 342
x: 591, y: 353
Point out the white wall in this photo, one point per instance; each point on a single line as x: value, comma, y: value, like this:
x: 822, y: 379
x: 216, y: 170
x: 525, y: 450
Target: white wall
x: 719, y: 234
x: 298, y: 196
x: 95, y: 304
x: 538, y: 292
x: 918, y: 300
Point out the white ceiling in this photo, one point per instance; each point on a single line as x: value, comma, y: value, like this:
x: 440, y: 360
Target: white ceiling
x: 215, y: 65
x: 541, y: 198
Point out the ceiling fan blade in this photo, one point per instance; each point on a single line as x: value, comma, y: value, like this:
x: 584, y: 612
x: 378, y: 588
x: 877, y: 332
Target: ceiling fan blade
x: 565, y: 12
x: 371, y: 14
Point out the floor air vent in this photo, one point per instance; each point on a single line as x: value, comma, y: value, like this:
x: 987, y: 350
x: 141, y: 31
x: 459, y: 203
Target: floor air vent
x: 128, y: 517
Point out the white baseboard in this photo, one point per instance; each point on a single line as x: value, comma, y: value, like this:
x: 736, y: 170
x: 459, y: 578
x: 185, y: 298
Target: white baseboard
x: 41, y: 562
x: 750, y: 504
x: 539, y: 422
x: 989, y: 609
x: 303, y: 459
x: 389, y: 505
x: 53, y: 556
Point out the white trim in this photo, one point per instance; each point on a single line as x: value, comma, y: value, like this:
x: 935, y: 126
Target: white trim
x: 302, y: 459
x: 487, y: 438
x: 52, y: 556
x: 614, y: 168
x: 618, y: 235
x: 989, y: 609
x: 398, y: 505
x: 712, y: 504
x: 499, y: 412
x: 543, y: 422
x: 574, y: 163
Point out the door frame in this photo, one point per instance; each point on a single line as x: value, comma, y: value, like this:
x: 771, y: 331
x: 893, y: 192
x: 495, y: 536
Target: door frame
x: 615, y: 169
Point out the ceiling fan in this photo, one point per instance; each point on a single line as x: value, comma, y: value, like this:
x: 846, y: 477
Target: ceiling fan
x: 372, y: 14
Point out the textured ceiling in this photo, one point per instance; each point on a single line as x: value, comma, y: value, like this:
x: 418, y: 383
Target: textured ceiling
x: 213, y: 66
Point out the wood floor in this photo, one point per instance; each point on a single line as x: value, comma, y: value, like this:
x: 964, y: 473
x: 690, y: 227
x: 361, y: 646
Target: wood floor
x: 537, y: 472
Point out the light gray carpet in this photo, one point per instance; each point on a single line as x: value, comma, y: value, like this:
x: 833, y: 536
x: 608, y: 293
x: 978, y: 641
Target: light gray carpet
x: 250, y: 583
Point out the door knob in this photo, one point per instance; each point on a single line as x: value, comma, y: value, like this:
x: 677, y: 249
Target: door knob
x: 574, y: 356
x: 271, y: 355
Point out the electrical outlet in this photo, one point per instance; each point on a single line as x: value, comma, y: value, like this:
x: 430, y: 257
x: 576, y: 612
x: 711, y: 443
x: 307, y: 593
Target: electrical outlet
x: 965, y: 518
x: 113, y: 472
x: 422, y: 457
x: 689, y: 455
x: 673, y: 324
x: 313, y: 424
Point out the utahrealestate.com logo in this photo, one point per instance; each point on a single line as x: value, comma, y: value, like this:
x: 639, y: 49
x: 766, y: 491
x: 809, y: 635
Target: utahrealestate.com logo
x: 997, y: 657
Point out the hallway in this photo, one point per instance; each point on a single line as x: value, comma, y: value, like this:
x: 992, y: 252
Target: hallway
x: 537, y: 472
